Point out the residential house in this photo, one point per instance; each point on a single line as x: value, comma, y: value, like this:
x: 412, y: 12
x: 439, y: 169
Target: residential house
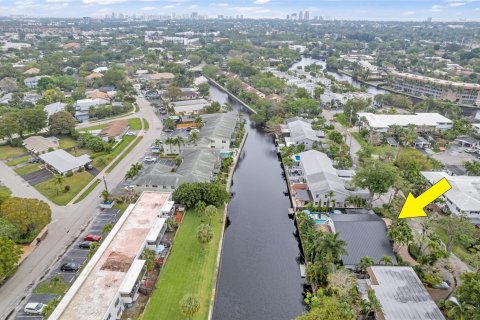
x: 83, y: 106
x: 32, y: 82
x: 31, y: 97
x: 39, y: 144
x: 62, y: 161
x: 94, y: 75
x: 298, y: 131
x: 422, y: 143
x: 365, y: 235
x: 53, y: 108
x: 421, y: 121
x: 97, y: 94
x: 114, y: 130
x: 8, y: 84
x: 468, y: 142
x: 324, y: 184
x: 218, y: 130
x: 464, y: 196
x: 32, y: 71
x: 162, y: 78
x: 401, y: 294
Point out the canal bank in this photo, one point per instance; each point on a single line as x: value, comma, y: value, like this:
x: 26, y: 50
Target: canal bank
x: 259, y: 275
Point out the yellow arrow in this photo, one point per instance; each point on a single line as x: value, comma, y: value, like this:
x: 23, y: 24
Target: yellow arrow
x: 413, y: 207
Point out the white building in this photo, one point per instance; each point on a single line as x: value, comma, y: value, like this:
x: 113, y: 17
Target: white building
x: 53, y: 108
x: 218, y: 130
x: 322, y: 178
x: 62, y: 161
x: 464, y: 197
x: 110, y: 281
x: 298, y: 131
x: 190, y: 107
x: 421, y: 121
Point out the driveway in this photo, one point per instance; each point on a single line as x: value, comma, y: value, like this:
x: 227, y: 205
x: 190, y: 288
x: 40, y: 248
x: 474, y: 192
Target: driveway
x: 37, y: 177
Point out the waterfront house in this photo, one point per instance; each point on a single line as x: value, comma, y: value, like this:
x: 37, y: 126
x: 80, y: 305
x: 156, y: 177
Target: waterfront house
x: 189, y: 107
x: 421, y: 121
x: 218, y: 131
x: 298, y: 131
x: 365, y: 235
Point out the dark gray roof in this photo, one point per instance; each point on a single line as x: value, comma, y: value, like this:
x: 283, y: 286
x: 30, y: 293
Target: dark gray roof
x: 365, y: 235
x: 391, y: 141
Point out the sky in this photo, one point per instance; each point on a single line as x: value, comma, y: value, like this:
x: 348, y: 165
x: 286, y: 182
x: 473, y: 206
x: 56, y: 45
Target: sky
x: 439, y: 10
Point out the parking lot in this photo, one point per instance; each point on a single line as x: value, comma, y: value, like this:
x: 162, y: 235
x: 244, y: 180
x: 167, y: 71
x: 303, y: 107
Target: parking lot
x: 455, y: 156
x: 74, y: 254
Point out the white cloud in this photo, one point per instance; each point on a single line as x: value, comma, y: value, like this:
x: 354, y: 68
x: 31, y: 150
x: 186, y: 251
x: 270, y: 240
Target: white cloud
x: 170, y: 6
x: 219, y: 4
x: 456, y: 4
x: 408, y: 13
x: 103, y: 2
x: 437, y: 8
x: 148, y: 8
x: 261, y: 1
x: 193, y: 6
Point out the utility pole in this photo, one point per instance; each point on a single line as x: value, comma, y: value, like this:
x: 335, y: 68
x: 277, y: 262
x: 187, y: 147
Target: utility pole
x: 105, y: 182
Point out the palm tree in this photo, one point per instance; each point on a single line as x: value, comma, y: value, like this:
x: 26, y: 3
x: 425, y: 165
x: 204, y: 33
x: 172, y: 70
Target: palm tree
x: 204, y: 233
x: 330, y: 194
x: 386, y: 260
x: 210, y: 212
x: 189, y: 305
x: 157, y: 142
x: 55, y: 281
x: 107, y: 228
x: 200, y: 207
x: 332, y: 246
x: 457, y: 311
x: 179, y: 141
x: 105, y: 194
x: 149, y: 257
x: 198, y: 122
x: 364, y: 263
x: 58, y: 180
x: 193, y: 138
x: 170, y: 141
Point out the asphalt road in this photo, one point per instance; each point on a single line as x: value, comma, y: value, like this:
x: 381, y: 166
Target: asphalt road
x: 68, y: 221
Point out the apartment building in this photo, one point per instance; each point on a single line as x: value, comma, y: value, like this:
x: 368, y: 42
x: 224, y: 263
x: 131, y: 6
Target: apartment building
x: 421, y: 86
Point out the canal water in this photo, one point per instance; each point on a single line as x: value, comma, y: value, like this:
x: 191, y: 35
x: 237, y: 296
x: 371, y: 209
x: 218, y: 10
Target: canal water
x: 259, y: 273
x: 305, y: 61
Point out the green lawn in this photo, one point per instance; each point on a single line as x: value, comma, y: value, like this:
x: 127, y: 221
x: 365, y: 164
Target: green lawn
x: 76, y: 182
x: 378, y: 150
x: 146, y: 126
x: 135, y: 124
x: 87, y: 192
x: 14, y: 162
x: 67, y: 142
x: 5, y: 193
x: 29, y: 168
x: 342, y: 119
x: 130, y: 148
x: 7, y: 152
x: 95, y: 127
x: 46, y: 288
x: 189, y: 269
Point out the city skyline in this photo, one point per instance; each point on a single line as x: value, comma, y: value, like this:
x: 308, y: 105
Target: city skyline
x: 438, y: 10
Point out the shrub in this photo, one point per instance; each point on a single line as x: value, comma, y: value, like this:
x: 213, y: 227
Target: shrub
x: 69, y: 173
x: 66, y: 189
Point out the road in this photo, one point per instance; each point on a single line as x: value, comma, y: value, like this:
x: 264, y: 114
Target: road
x: 67, y: 222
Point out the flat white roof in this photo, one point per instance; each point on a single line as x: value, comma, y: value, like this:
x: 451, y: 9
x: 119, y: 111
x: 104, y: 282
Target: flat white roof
x: 91, y: 295
x: 403, y: 120
x: 63, y: 161
x: 167, y: 207
x: 155, y: 230
x: 132, y: 276
x: 465, y: 192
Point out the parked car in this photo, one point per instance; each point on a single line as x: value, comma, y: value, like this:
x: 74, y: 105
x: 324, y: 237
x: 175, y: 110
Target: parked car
x: 85, y: 244
x: 470, y: 150
x: 92, y: 237
x: 34, y: 308
x: 130, y: 133
x: 150, y: 159
x: 34, y: 160
x: 88, y: 166
x: 70, y: 267
x: 129, y: 187
x: 163, y: 112
x: 167, y: 130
